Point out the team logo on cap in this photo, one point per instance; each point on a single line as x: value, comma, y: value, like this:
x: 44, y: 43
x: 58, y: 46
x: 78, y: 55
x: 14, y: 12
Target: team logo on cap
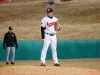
x: 48, y: 9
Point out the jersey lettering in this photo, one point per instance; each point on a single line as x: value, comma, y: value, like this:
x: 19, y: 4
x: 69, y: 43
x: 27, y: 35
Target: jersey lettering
x: 51, y: 24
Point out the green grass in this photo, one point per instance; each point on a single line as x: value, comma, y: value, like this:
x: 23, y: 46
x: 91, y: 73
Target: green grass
x: 79, y: 19
x: 78, y: 63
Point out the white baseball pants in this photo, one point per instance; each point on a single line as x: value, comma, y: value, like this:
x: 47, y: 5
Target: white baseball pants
x: 52, y: 41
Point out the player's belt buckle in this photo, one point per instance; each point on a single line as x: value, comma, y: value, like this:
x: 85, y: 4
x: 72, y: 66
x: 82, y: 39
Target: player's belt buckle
x: 51, y: 34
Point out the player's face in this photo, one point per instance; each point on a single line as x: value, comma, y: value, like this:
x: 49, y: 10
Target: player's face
x: 10, y: 31
x: 50, y: 14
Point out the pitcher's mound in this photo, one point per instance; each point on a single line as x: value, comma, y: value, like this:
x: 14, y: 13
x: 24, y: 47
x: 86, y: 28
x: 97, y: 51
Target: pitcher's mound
x: 46, y: 70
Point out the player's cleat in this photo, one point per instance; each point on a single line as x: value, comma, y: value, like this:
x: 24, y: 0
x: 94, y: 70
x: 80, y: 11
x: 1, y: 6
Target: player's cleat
x: 56, y: 64
x: 7, y: 63
x: 43, y: 64
x: 12, y: 63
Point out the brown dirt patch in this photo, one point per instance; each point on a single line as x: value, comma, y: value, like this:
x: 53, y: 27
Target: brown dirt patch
x: 48, y: 70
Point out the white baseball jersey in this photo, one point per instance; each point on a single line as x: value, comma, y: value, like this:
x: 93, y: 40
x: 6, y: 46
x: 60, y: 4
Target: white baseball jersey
x: 48, y: 24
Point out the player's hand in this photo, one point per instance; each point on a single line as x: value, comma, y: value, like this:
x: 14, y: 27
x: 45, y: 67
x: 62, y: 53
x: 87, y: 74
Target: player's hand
x: 57, y: 26
x: 16, y: 46
x: 42, y: 40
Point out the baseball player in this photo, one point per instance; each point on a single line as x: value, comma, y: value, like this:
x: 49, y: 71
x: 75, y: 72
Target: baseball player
x: 10, y: 41
x: 49, y: 25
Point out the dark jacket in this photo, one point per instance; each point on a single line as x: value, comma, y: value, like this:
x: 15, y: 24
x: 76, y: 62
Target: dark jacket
x: 10, y: 40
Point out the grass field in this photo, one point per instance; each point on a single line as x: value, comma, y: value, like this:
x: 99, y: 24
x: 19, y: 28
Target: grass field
x: 79, y: 19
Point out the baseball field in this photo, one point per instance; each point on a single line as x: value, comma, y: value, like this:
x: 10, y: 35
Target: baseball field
x: 68, y: 67
x: 79, y: 19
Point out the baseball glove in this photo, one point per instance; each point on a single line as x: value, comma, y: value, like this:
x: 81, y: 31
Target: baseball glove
x: 57, y: 26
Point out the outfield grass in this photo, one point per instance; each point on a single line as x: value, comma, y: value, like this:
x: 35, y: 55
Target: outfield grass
x: 79, y: 19
x: 78, y: 63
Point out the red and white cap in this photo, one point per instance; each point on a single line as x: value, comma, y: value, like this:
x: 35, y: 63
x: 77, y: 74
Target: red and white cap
x: 49, y: 10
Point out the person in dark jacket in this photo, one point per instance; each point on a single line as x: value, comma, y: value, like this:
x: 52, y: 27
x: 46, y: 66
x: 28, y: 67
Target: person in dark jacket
x: 9, y: 43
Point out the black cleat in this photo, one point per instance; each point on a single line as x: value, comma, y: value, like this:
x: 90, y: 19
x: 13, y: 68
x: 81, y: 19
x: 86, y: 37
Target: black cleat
x: 7, y: 63
x: 42, y: 64
x: 56, y: 64
x: 12, y: 63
